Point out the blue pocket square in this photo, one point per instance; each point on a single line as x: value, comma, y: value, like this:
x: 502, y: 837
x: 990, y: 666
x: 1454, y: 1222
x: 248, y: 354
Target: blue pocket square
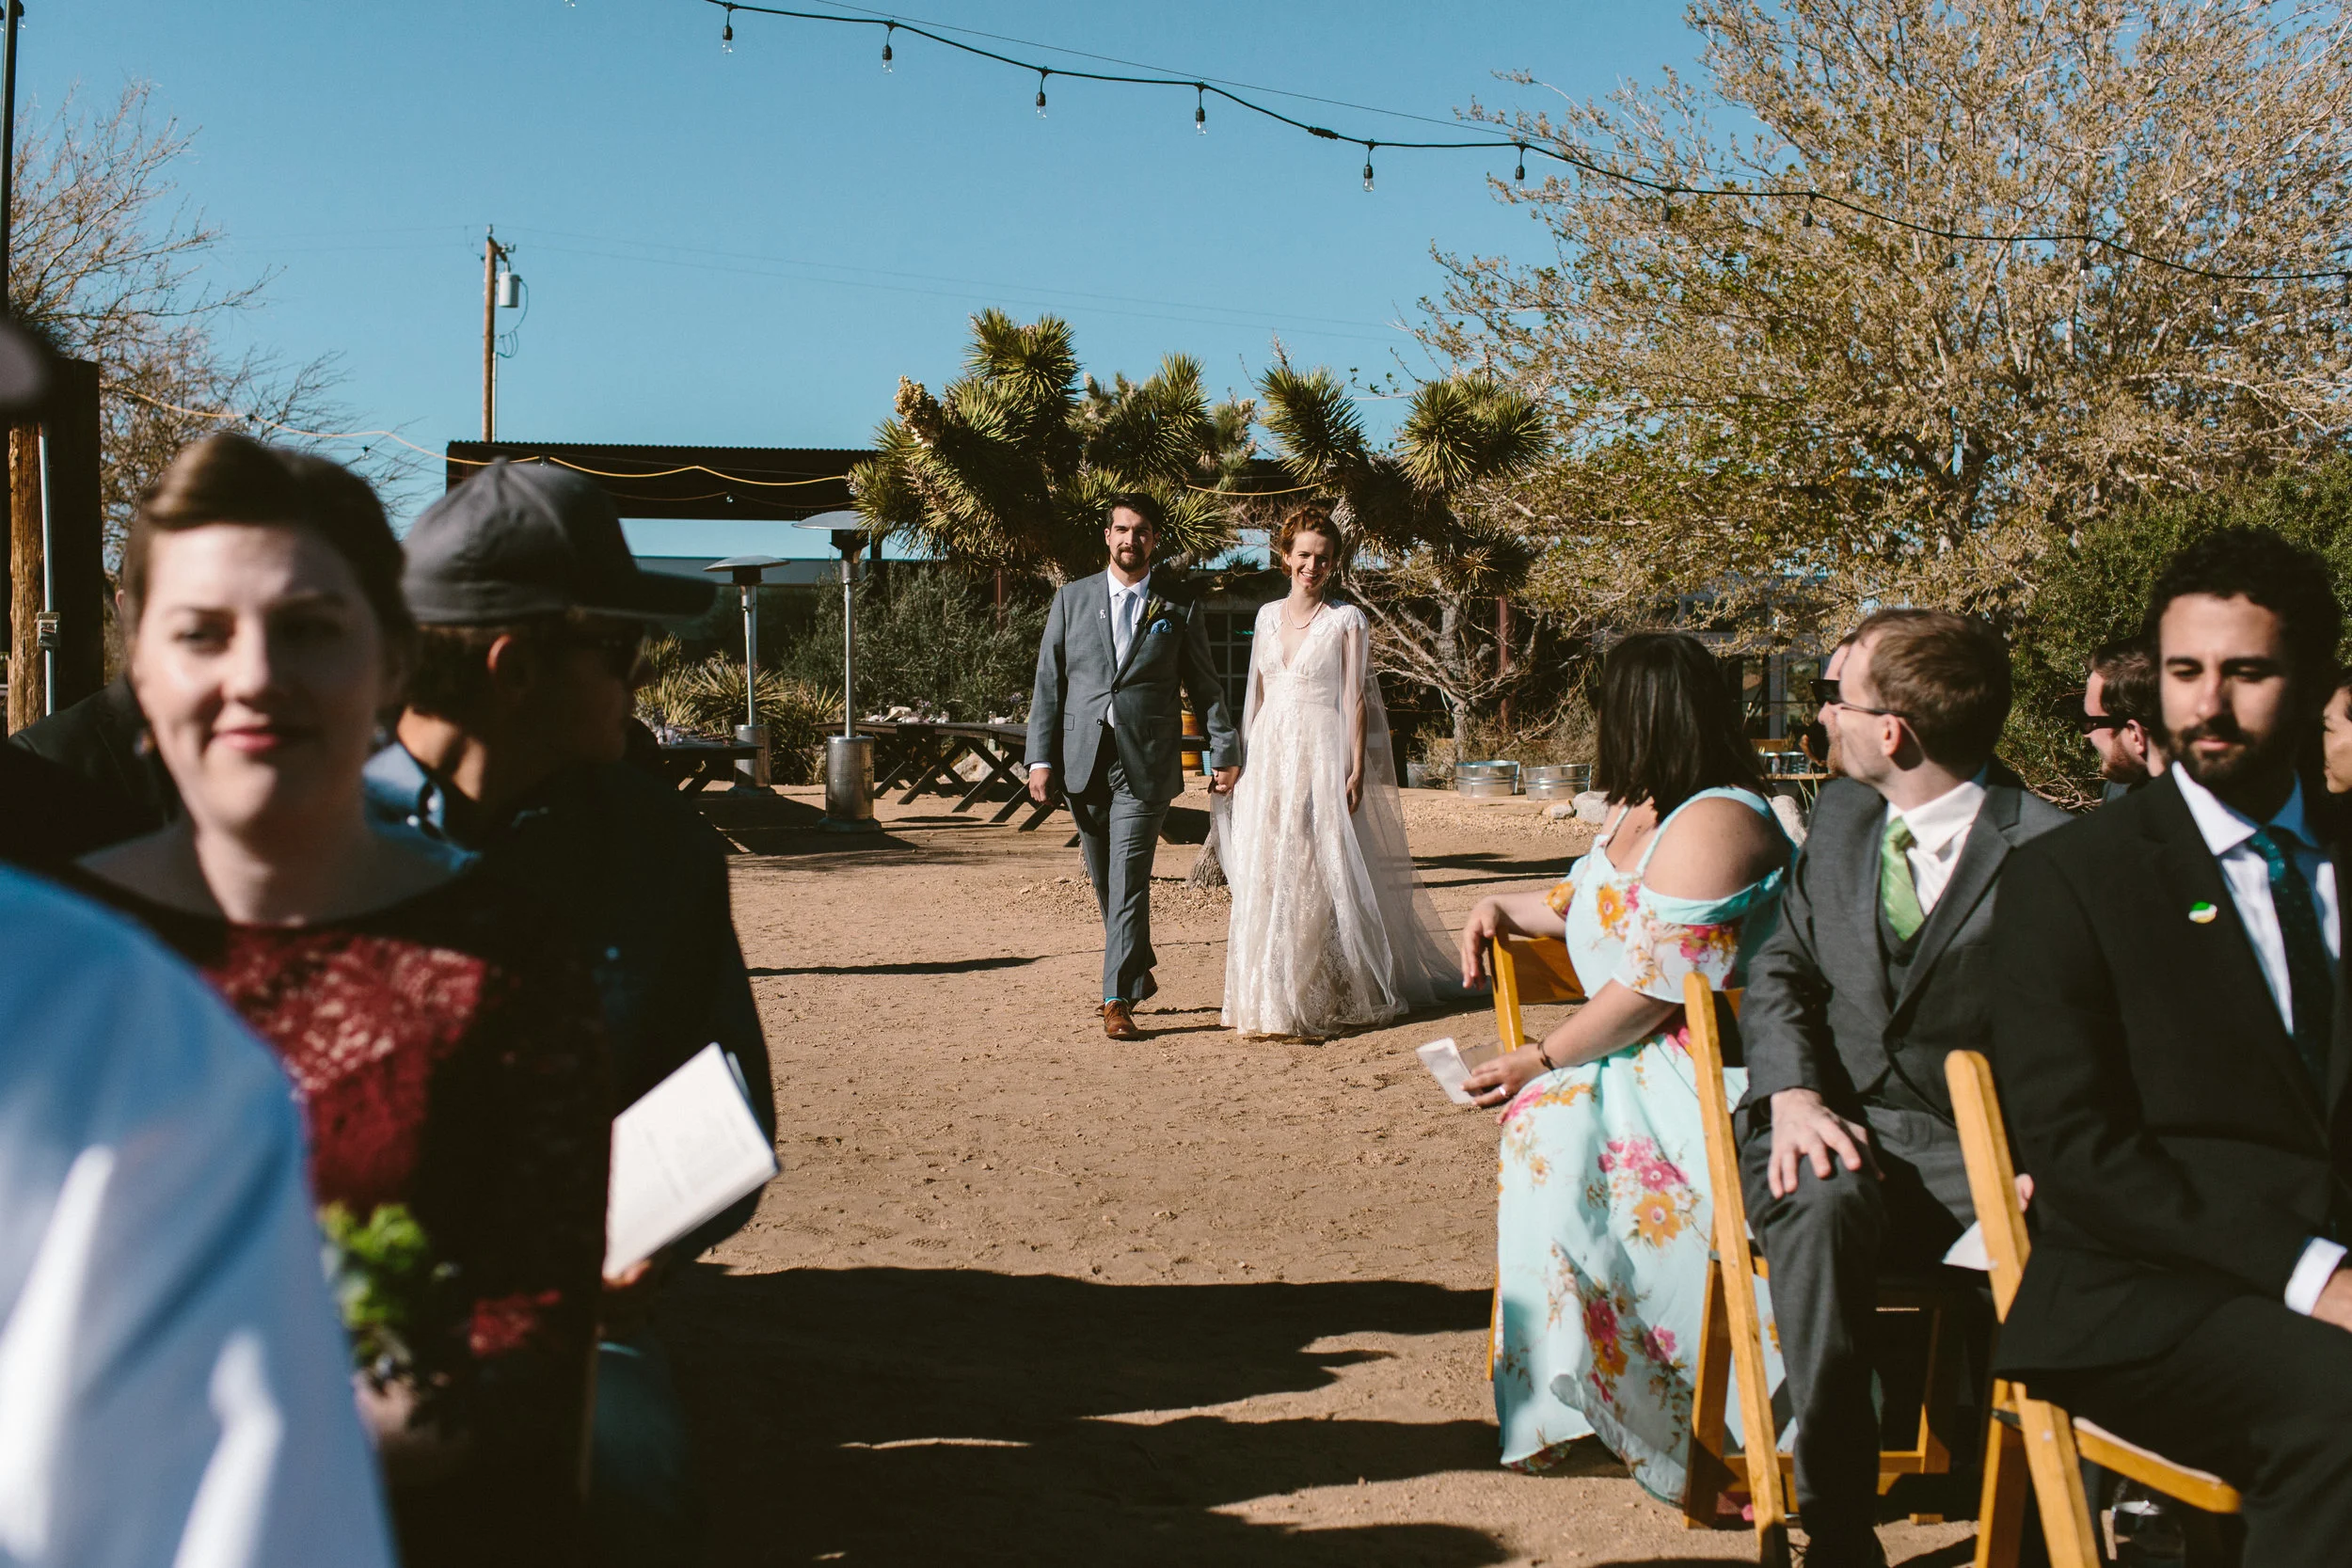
x: 1163, y: 625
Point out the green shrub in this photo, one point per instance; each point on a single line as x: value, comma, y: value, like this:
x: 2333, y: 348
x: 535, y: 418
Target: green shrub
x: 928, y: 639
x: 706, y: 697
x: 2099, y: 592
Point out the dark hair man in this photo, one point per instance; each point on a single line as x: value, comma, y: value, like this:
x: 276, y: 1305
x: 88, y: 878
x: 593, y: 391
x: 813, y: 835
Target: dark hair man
x: 532, y: 614
x: 1107, y: 722
x: 1849, y: 1159
x: 2120, y: 715
x: 2173, y: 1059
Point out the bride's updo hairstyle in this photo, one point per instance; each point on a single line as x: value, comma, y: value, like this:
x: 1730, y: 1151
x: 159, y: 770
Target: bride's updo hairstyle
x: 1308, y: 519
x: 1669, y: 724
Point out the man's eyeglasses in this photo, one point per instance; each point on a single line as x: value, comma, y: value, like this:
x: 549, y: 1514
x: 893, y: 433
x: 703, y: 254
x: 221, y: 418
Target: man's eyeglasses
x: 2094, y: 722
x: 1825, y: 694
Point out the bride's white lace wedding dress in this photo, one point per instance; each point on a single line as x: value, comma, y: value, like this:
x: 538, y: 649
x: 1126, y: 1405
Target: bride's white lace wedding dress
x: 1332, y: 931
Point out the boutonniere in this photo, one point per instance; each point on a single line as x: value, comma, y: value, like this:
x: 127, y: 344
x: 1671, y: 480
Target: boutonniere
x: 1155, y: 612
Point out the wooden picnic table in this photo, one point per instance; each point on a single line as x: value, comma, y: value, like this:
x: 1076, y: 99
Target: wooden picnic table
x: 696, y: 765
x: 922, y: 755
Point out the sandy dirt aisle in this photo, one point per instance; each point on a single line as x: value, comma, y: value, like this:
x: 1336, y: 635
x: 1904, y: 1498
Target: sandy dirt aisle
x: 1024, y: 1294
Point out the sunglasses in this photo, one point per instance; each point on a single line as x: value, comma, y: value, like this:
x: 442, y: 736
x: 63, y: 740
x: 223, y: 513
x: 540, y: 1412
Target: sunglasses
x: 2094, y: 722
x: 618, y: 651
x: 1825, y: 693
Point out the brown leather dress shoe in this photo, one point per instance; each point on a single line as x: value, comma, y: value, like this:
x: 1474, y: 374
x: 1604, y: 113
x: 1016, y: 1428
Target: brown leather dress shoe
x: 1119, y: 1022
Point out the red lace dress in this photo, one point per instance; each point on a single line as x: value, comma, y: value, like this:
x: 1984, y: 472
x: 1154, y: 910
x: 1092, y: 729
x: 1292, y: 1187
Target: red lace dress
x: 448, y: 1056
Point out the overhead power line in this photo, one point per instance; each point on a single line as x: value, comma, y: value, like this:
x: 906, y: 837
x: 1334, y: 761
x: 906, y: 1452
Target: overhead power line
x: 1206, y: 87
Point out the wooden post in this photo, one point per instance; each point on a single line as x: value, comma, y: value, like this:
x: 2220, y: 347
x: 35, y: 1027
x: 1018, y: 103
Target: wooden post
x: 27, y: 680
x: 75, y: 536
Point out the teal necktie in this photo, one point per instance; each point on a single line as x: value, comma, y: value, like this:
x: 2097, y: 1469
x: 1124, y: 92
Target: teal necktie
x: 1899, y: 896
x: 2311, y: 977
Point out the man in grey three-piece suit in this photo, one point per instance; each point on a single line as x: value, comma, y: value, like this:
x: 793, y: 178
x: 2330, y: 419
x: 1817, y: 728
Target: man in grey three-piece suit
x: 1878, y: 967
x: 1106, y: 724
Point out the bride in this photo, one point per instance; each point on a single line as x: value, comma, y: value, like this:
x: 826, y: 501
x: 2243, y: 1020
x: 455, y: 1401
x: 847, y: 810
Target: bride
x: 1330, y: 930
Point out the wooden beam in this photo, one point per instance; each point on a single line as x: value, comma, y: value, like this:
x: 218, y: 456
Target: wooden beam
x: 76, y: 536
x: 27, y: 681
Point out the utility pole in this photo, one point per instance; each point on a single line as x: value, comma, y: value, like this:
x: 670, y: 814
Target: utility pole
x: 492, y: 252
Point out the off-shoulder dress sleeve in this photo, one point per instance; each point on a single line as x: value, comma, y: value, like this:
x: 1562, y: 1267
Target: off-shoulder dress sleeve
x: 1666, y: 938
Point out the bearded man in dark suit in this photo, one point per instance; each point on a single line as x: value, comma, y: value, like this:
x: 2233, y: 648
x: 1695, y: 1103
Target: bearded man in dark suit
x: 2172, y: 1059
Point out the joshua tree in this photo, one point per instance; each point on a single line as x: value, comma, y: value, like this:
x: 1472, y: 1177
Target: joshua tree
x: 1008, y: 466
x: 1423, y: 552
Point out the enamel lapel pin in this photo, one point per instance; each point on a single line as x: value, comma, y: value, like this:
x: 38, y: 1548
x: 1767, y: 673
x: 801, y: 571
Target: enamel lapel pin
x: 2201, y: 913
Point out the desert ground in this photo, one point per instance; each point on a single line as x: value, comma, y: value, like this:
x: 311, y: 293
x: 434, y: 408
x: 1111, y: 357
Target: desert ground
x: 1023, y: 1294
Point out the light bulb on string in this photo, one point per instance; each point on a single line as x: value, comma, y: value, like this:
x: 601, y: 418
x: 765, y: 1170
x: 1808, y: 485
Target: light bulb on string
x: 889, y: 29
x: 1520, y: 172
x: 726, y: 34
x: 1041, y: 93
x: 1368, y: 147
x: 1201, y: 108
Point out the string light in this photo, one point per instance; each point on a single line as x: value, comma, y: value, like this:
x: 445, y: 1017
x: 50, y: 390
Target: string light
x: 726, y: 34
x: 1658, y: 187
x: 886, y: 36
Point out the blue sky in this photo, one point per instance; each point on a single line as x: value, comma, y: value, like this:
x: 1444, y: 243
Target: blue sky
x: 751, y: 247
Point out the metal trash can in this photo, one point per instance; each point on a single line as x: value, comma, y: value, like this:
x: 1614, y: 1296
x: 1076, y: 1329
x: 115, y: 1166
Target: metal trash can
x: 751, y: 773
x: 849, y: 784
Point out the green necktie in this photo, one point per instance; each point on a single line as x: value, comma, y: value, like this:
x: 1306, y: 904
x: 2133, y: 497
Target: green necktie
x: 1897, y: 895
x: 2311, y: 974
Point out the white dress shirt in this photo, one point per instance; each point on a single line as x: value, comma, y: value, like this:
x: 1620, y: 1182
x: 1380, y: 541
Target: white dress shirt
x: 2229, y: 833
x: 1939, y: 832
x: 174, y: 1386
x: 1126, y: 602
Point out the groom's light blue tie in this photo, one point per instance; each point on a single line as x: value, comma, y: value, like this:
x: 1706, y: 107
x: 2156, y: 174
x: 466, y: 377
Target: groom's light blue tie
x: 1123, y: 626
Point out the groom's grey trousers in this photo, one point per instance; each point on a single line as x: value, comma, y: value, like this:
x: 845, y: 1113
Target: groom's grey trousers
x: 1117, y: 833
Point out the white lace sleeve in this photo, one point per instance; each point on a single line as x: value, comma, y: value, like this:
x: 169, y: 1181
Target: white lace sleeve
x: 1355, y: 677
x: 1266, y: 626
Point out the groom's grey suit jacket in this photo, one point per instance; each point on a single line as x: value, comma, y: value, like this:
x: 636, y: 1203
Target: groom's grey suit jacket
x: 1824, y: 1012
x: 1079, y: 678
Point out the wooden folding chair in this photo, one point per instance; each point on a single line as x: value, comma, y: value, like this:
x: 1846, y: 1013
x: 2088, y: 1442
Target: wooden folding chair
x: 2030, y: 1438
x: 1528, y: 970
x: 1731, y: 1334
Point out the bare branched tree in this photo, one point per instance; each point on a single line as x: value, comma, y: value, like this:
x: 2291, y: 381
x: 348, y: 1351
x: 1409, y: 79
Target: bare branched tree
x: 1782, y: 403
x: 110, y: 264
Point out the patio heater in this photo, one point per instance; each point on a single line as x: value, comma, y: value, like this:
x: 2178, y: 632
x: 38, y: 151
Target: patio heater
x: 849, y: 756
x: 746, y: 571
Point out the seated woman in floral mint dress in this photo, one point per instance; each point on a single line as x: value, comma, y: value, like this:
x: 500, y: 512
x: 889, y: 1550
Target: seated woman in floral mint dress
x: 1604, y: 1211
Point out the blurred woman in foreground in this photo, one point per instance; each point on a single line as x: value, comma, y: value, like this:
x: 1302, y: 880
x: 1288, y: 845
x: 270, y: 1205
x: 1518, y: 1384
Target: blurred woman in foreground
x: 446, y: 1055
x: 1604, y: 1214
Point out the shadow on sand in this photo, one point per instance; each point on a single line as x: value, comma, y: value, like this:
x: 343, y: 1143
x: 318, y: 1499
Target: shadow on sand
x: 904, y: 1416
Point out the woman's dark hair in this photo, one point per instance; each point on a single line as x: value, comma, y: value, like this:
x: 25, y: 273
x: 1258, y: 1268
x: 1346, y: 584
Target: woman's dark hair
x: 1669, y: 723
x: 235, y: 478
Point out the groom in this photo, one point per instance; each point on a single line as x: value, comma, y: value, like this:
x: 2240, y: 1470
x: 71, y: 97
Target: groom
x: 1106, y: 724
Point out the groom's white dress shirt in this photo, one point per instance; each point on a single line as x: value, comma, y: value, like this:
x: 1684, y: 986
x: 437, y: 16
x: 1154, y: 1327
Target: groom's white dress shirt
x: 2227, y: 832
x: 1126, y: 604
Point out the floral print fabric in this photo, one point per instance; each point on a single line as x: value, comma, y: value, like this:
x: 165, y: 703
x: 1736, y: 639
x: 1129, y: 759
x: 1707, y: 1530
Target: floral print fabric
x: 1604, y: 1214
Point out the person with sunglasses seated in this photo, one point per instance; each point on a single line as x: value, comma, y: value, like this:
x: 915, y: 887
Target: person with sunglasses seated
x: 532, y: 615
x: 1849, y: 1159
x: 2119, y: 715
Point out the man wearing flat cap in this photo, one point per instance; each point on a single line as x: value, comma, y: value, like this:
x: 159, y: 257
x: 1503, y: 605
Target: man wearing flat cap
x: 532, y: 617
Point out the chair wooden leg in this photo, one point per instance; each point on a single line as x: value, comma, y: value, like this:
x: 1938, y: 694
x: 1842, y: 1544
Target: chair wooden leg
x: 1935, y: 1402
x: 2001, y: 1510
x: 1758, y: 1438
x: 2058, y: 1486
x: 1707, y: 1472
